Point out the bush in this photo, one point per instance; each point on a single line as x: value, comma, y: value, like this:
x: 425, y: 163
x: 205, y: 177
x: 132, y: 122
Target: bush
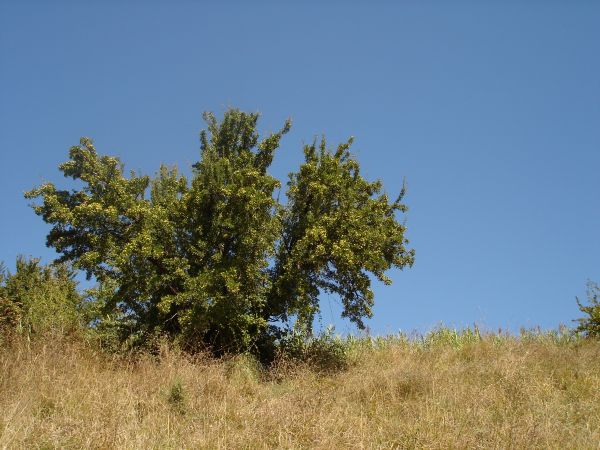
x: 37, y: 299
x: 176, y: 396
x: 590, y: 326
x: 324, y: 352
x: 10, y: 313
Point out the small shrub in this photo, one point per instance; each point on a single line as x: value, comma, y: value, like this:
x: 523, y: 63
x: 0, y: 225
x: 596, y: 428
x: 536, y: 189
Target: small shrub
x: 10, y: 316
x: 243, y: 368
x: 46, y: 408
x: 325, y: 352
x: 590, y: 326
x: 37, y: 299
x: 176, y: 396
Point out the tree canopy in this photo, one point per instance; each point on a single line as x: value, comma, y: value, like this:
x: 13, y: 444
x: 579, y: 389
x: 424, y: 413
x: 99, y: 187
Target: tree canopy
x: 216, y: 260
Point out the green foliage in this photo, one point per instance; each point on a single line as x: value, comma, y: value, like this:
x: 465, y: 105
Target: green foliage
x: 243, y: 368
x: 38, y: 299
x: 108, y: 325
x: 176, y: 396
x: 325, y: 352
x: 216, y: 261
x: 337, y: 227
x: 450, y: 337
x: 590, y: 326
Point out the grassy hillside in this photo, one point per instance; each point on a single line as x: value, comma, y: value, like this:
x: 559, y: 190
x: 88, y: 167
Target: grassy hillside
x: 448, y: 390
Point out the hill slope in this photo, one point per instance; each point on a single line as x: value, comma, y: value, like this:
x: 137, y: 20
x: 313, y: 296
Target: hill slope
x: 444, y: 391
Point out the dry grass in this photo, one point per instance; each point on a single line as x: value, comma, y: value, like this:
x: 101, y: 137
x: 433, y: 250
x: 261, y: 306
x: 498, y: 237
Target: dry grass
x: 497, y: 392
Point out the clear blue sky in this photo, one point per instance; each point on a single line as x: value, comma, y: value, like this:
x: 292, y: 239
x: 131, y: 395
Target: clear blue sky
x: 491, y: 110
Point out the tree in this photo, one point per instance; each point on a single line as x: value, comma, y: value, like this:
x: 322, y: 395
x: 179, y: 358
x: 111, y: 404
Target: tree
x: 590, y: 326
x: 216, y: 261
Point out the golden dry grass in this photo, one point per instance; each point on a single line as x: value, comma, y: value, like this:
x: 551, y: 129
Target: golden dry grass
x: 493, y: 393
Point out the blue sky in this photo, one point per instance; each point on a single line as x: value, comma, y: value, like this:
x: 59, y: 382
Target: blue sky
x: 490, y: 110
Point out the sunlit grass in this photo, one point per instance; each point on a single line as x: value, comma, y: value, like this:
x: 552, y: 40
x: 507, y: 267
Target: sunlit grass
x: 446, y: 389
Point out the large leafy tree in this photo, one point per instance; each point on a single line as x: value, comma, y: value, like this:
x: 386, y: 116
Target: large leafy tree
x: 216, y: 260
